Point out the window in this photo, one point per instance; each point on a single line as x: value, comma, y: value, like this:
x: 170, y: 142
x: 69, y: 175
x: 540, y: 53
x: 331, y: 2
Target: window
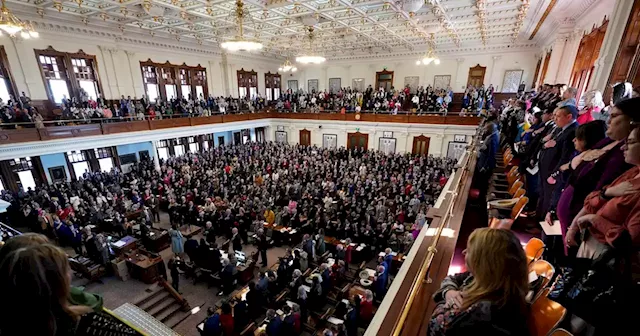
x: 80, y: 168
x: 7, y: 88
x: 105, y: 160
x: 178, y: 150
x: 194, y: 146
x: 106, y: 164
x: 26, y: 180
x: 163, y: 149
x: 167, y: 81
x: 247, y: 84
x: 273, y: 85
x: 78, y: 160
x: 69, y: 75
x: 150, y: 80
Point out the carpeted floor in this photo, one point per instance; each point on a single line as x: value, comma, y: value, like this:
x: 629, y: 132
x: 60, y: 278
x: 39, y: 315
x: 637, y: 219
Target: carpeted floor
x: 117, y: 292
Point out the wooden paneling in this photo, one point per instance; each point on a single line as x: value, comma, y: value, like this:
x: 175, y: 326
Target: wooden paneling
x: 545, y: 67
x: 62, y: 132
x: 421, y: 145
x: 476, y: 75
x: 169, y: 123
x: 627, y: 53
x: 234, y: 117
x: 588, y: 53
x: 357, y: 140
x: 305, y: 137
x: 131, y: 126
x: 206, y: 120
x: 18, y: 135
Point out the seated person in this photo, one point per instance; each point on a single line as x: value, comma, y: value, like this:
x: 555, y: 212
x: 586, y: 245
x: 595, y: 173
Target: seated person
x: 274, y: 327
x: 492, y: 301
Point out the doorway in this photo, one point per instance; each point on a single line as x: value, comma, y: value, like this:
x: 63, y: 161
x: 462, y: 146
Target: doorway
x: 305, y: 137
x: 237, y: 138
x: 384, y: 79
x: 476, y: 76
x: 357, y: 140
x: 421, y: 145
x: 220, y: 141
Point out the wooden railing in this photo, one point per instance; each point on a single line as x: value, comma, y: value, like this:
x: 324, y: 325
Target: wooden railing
x: 407, y: 307
x: 112, y: 126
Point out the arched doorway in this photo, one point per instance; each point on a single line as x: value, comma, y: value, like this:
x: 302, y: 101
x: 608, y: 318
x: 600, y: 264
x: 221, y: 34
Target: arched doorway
x: 476, y: 75
x: 305, y: 137
x: 420, y: 145
x: 357, y: 140
x: 384, y: 79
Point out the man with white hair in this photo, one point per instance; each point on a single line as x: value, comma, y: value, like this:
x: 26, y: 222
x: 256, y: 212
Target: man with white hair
x: 380, y: 282
x: 226, y: 275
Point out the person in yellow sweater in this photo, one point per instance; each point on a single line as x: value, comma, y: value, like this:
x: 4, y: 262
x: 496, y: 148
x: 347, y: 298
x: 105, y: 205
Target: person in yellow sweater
x: 269, y: 216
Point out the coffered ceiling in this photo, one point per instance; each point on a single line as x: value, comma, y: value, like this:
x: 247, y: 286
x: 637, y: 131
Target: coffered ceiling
x: 343, y: 28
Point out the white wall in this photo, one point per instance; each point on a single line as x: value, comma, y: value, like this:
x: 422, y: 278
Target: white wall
x: 119, y: 64
x: 456, y: 67
x: 440, y: 135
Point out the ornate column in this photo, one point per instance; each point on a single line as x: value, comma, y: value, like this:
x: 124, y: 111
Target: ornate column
x: 569, y: 57
x: 556, y: 58
x: 493, y: 72
x: 113, y: 64
x: 325, y: 79
x: 348, y: 79
x: 436, y: 142
x: 103, y: 53
x: 133, y: 82
x: 224, y: 65
x: 610, y: 44
x: 455, y: 84
x: 156, y: 160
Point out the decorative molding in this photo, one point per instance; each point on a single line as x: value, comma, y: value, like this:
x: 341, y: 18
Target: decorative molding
x: 543, y: 18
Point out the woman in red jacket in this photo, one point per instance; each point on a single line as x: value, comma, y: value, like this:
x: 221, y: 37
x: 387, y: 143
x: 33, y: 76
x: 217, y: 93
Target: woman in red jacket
x: 226, y: 319
x: 366, y: 307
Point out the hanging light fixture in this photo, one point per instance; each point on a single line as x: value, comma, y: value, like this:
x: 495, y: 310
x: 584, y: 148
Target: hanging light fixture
x: 10, y: 24
x: 240, y: 43
x: 287, y: 66
x: 310, y: 58
x: 430, y: 56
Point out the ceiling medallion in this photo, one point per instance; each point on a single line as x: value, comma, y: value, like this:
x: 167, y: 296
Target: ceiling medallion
x: 429, y: 57
x: 240, y: 43
x: 287, y: 66
x: 310, y: 58
x: 11, y: 25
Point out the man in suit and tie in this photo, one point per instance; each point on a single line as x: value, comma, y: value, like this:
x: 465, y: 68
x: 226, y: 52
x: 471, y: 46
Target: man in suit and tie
x: 531, y: 155
x: 555, y: 152
x: 153, y: 204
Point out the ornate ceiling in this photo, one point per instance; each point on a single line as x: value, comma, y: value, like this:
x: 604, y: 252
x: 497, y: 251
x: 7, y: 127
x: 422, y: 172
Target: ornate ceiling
x: 343, y: 28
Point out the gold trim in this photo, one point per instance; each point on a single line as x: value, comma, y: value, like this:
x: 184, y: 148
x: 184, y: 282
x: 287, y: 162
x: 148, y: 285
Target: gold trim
x: 544, y: 17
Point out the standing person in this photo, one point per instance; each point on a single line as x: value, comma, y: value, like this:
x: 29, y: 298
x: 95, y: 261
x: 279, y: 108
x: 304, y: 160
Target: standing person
x: 263, y: 244
x: 487, y: 157
x: 154, y: 205
x: 177, y: 244
x: 174, y: 269
x: 236, y: 242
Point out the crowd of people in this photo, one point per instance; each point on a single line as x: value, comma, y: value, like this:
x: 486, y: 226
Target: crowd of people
x: 581, y: 171
x: 361, y: 196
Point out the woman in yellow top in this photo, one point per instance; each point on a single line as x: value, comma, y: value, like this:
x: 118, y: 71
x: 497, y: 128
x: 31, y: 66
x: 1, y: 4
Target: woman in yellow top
x: 269, y: 216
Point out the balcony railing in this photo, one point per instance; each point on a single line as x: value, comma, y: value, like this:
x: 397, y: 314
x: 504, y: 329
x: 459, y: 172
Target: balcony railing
x: 407, y: 307
x: 62, y: 129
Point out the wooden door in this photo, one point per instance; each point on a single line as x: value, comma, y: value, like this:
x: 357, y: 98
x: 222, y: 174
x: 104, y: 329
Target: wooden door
x: 237, y: 138
x: 535, y: 74
x: 476, y: 76
x: 384, y: 79
x: 220, y: 141
x: 420, y: 145
x: 305, y: 137
x: 357, y: 140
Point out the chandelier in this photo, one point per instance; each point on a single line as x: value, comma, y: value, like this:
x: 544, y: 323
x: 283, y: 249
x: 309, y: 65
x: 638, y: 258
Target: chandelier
x: 240, y: 43
x: 287, y: 66
x: 10, y: 24
x: 310, y: 58
x: 429, y: 57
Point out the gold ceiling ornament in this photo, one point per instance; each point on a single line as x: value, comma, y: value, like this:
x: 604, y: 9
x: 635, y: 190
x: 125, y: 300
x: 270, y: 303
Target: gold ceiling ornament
x: 103, y: 16
x: 124, y: 11
x: 146, y: 4
x: 184, y: 15
x: 12, y: 25
x: 121, y: 27
x: 40, y: 11
x: 79, y: 2
x: 85, y: 20
x: 287, y: 66
x: 310, y: 57
x: 57, y: 5
x: 522, y: 14
x: 240, y: 43
x: 209, y: 8
x: 175, y: 2
x: 430, y: 56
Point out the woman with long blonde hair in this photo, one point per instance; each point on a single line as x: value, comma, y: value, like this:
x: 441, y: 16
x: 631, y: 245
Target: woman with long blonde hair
x: 489, y: 298
x: 36, y: 284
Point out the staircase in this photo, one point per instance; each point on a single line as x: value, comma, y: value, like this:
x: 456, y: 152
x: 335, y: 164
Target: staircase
x: 165, y: 305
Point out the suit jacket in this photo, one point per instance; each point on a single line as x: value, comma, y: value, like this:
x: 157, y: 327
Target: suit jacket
x: 552, y: 158
x: 534, y: 147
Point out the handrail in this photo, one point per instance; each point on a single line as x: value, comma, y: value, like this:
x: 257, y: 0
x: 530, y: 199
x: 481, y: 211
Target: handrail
x: 421, y: 277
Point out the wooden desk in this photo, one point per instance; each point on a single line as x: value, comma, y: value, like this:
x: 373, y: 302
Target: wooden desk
x: 157, y: 241
x: 124, y: 245
x: 144, y: 266
x: 356, y: 290
x: 189, y: 231
x: 133, y: 215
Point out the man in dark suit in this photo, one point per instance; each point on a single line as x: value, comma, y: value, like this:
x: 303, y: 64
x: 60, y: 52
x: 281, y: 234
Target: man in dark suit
x: 263, y: 245
x: 555, y: 152
x: 153, y: 204
x: 275, y: 323
x: 530, y: 156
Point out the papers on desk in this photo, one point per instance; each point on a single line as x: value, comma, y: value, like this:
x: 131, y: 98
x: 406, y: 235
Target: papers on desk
x: 359, y: 248
x: 279, y: 312
x: 352, y: 244
x: 290, y: 304
x: 335, y: 321
x: 119, y: 243
x: 551, y: 230
x: 381, y: 254
x: 394, y: 253
x: 532, y: 276
x: 342, y: 241
x: 330, y: 262
x: 306, y: 288
x: 201, y: 327
x: 293, y: 231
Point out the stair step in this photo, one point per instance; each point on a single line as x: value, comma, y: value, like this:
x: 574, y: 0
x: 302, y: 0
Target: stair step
x: 161, y: 306
x: 156, y: 299
x: 168, y: 312
x: 157, y: 291
x: 177, y: 318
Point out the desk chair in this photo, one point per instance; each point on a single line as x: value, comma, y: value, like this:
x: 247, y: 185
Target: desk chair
x: 543, y: 269
x: 507, y: 223
x: 545, y: 315
x: 534, y: 249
